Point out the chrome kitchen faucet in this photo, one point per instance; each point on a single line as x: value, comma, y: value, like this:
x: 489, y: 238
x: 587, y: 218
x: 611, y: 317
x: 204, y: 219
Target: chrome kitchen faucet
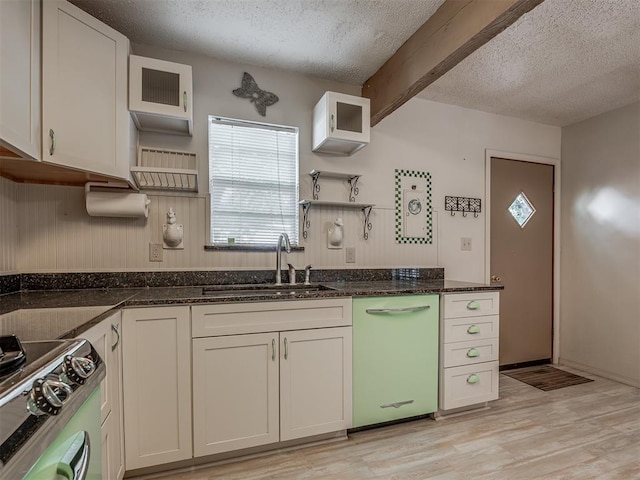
x: 287, y: 246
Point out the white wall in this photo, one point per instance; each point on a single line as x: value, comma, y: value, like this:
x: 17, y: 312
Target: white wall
x: 56, y: 234
x: 8, y: 227
x: 600, y: 287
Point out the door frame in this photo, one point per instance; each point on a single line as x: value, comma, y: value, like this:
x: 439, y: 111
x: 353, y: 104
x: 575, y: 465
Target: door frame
x: 556, y: 229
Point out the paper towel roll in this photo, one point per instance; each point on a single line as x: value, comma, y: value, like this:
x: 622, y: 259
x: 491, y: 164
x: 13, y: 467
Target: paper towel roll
x: 107, y: 204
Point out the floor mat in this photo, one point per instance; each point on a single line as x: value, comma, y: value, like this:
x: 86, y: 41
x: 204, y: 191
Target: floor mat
x: 546, y: 377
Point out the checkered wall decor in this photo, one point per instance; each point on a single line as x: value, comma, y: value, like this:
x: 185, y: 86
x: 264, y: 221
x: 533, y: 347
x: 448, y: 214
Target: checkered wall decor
x: 425, y: 181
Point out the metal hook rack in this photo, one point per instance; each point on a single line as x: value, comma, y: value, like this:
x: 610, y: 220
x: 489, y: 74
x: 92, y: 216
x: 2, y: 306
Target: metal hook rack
x: 463, y: 204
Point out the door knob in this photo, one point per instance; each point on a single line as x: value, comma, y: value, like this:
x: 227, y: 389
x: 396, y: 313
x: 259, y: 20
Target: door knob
x: 495, y: 278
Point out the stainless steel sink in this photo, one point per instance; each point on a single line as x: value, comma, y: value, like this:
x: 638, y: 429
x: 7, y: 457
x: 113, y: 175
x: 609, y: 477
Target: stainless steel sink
x: 260, y: 290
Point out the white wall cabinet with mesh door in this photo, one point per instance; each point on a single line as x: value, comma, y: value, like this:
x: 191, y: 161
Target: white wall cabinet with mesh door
x: 253, y: 183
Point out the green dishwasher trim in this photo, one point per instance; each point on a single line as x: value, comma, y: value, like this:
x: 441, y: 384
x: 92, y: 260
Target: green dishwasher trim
x: 395, y: 358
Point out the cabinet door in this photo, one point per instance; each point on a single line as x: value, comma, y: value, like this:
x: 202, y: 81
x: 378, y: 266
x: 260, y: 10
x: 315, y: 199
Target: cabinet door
x: 20, y: 85
x: 105, y: 337
x: 160, y: 95
x: 395, y: 358
x: 235, y: 392
x: 156, y: 355
x: 116, y: 449
x: 341, y: 124
x: 85, y: 118
x: 315, y: 382
x: 100, y: 338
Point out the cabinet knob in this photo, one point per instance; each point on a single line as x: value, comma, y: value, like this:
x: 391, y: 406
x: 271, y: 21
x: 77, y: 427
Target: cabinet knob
x: 495, y: 279
x: 473, y: 329
x: 473, y: 353
x: 473, y: 378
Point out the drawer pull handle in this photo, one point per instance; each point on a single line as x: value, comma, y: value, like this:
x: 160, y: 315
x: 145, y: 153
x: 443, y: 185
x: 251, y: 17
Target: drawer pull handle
x: 397, y: 404
x: 115, y: 330
x: 473, y: 329
x: 273, y: 349
x: 286, y: 349
x: 473, y: 305
x: 473, y: 352
x: 473, y: 378
x: 377, y: 311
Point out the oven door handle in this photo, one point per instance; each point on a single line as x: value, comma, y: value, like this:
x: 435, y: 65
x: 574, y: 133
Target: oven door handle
x: 74, y: 465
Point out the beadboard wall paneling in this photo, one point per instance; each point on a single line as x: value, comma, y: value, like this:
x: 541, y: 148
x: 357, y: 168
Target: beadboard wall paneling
x: 8, y: 227
x: 57, y: 235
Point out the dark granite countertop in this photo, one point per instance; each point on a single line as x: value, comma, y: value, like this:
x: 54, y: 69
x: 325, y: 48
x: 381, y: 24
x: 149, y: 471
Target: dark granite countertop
x: 90, y: 306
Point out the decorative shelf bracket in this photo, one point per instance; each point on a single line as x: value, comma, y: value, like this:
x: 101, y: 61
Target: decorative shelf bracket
x: 353, y: 183
x: 306, y: 223
x: 366, y: 211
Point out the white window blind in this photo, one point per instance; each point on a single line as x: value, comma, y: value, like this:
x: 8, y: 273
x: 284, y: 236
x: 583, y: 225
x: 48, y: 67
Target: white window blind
x: 253, y: 182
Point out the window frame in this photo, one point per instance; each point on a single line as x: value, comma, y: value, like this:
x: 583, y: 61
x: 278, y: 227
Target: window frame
x: 209, y: 241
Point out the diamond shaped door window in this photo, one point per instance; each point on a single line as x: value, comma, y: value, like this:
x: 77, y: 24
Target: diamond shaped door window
x: 521, y: 209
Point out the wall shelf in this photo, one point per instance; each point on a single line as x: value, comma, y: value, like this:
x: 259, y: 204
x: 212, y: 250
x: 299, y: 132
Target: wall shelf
x: 169, y: 170
x: 351, y: 178
x: 364, y: 207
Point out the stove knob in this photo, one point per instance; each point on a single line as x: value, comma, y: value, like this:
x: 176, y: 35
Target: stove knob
x: 78, y: 369
x: 47, y: 396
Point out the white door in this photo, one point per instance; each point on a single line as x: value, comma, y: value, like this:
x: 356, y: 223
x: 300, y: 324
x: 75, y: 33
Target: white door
x: 85, y: 122
x: 20, y: 85
x: 235, y: 392
x: 522, y: 257
x: 156, y: 350
x: 315, y: 382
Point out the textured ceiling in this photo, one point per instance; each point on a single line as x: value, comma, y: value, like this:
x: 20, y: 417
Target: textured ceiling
x: 343, y: 40
x: 565, y: 61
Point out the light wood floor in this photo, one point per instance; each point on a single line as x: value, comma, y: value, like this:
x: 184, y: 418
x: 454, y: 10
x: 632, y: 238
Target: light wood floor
x: 588, y: 431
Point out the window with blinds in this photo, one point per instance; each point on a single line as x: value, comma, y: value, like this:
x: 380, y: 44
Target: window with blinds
x: 253, y: 182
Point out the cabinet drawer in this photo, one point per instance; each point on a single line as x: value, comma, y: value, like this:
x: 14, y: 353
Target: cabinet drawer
x: 468, y: 329
x: 238, y: 318
x: 468, y: 385
x: 471, y: 304
x: 468, y: 353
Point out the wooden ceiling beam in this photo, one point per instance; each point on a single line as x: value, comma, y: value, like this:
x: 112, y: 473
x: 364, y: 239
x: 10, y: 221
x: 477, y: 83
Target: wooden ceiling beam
x: 457, y: 29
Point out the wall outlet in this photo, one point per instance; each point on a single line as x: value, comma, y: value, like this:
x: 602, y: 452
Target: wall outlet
x: 465, y: 243
x: 351, y: 255
x: 155, y: 252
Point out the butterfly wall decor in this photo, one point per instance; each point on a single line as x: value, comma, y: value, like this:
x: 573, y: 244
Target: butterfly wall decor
x: 249, y: 89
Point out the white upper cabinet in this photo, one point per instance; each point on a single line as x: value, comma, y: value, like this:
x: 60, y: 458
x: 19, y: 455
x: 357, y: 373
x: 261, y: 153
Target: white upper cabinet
x: 85, y: 120
x: 160, y: 95
x: 341, y: 124
x: 20, y: 84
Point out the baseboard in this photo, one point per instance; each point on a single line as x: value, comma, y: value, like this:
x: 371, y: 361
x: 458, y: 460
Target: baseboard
x: 634, y: 382
x: 532, y: 363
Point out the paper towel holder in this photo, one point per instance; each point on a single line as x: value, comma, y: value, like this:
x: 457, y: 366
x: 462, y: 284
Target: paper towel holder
x: 115, y: 199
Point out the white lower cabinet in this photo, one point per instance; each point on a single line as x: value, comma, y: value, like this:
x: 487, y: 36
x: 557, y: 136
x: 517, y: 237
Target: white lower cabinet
x: 261, y: 388
x: 468, y: 349
x: 235, y: 392
x: 157, y: 385
x: 315, y: 382
x: 105, y: 338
